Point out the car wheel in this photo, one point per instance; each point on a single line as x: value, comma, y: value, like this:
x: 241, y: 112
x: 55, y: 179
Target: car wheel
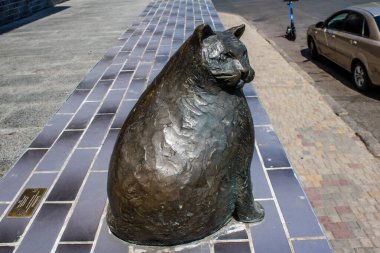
x: 313, y: 50
x: 360, y: 77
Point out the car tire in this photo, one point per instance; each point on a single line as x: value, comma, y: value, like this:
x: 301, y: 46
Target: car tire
x: 313, y: 49
x: 360, y: 77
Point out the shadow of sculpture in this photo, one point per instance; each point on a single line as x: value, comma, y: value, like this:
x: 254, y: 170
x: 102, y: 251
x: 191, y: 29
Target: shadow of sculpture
x: 180, y: 168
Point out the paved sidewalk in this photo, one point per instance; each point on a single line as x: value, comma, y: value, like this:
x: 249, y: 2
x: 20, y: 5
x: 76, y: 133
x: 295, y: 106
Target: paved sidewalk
x: 45, y: 58
x: 338, y: 173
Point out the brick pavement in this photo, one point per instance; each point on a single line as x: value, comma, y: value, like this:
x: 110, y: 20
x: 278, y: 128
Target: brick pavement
x: 339, y: 175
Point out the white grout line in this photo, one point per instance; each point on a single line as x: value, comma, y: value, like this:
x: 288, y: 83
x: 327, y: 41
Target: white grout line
x: 79, y: 242
x: 99, y: 171
x: 105, y: 113
x: 231, y: 240
x: 250, y: 238
x: 35, y: 149
x: 308, y: 238
x: 8, y: 244
x: 279, y: 168
x: 45, y: 172
x: 265, y: 199
x: 88, y: 148
x: 282, y: 219
x: 58, y: 202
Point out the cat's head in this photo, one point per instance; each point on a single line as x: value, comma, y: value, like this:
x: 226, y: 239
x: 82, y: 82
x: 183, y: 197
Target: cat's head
x: 225, y: 56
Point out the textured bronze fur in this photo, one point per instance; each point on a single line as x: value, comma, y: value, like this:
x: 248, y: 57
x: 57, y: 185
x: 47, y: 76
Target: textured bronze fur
x: 180, y: 168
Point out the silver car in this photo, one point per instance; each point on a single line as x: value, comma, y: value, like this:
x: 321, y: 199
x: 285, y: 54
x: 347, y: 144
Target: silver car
x: 351, y: 39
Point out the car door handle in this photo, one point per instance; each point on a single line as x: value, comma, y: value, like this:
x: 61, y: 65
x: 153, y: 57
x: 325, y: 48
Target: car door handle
x: 353, y: 42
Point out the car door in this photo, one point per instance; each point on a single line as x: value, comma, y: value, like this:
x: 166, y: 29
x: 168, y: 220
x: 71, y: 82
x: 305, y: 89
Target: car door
x: 346, y: 41
x: 327, y: 39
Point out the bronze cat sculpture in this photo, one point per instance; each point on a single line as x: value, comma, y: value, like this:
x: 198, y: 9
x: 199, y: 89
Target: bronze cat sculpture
x: 180, y: 167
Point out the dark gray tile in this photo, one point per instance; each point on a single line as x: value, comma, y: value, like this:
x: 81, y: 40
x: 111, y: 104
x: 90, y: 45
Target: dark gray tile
x: 104, y: 156
x: 74, y: 101
x: 130, y: 65
x: 269, y: 235
x: 100, y: 90
x: 121, y: 42
x: 111, y: 53
x: 232, y: 247
x: 271, y: 150
x: 84, y: 221
x: 163, y: 51
x: 56, y: 156
x: 2, y: 208
x: 160, y: 62
x: 6, y: 249
x: 259, y: 115
x: 111, y: 72
x: 15, y: 178
x: 136, y: 88
x: 83, y: 116
x: 123, y: 79
x: 259, y: 181
x: 137, y: 52
x: 121, y: 58
x: 71, y: 179
x: 249, y: 90
x: 153, y: 74
x: 112, y: 101
x: 94, y: 75
x: 95, y: 133
x: 74, y: 248
x: 295, y: 207
x: 107, y: 242
x: 235, y: 235
x: 122, y: 114
x: 153, y: 44
x: 142, y: 70
x: 45, y: 228
x: 51, y: 131
x: 12, y: 228
x: 311, y: 246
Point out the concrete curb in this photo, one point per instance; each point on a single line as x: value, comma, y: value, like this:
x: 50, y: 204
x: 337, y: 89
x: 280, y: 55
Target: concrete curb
x: 365, y: 136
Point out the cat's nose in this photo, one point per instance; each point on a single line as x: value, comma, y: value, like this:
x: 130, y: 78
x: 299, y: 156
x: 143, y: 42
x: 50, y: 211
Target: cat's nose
x: 247, y: 74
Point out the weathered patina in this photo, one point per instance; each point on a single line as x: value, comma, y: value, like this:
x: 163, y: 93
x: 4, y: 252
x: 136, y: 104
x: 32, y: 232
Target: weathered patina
x: 180, y: 168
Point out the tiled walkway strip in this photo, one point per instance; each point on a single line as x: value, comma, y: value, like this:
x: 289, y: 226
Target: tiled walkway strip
x: 70, y: 156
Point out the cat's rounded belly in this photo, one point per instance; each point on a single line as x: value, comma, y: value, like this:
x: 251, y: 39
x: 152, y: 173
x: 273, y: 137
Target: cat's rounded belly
x: 182, y: 180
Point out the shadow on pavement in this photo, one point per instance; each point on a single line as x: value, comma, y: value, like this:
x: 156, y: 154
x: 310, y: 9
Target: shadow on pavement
x: 340, y: 74
x: 39, y: 15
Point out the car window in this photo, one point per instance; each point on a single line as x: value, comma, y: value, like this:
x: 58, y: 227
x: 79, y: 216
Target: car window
x: 366, y: 29
x: 337, y: 22
x: 354, y: 24
x: 377, y: 19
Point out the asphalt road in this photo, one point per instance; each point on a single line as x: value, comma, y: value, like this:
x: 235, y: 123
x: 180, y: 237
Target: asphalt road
x: 271, y: 17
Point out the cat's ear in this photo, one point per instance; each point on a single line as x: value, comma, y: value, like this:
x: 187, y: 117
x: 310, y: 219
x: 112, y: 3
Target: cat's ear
x: 237, y: 30
x: 202, y: 32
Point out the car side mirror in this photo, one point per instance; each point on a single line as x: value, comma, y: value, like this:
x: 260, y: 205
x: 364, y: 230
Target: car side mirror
x: 320, y: 24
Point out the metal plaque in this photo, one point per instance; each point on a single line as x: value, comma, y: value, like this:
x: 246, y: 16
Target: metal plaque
x: 27, y: 203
